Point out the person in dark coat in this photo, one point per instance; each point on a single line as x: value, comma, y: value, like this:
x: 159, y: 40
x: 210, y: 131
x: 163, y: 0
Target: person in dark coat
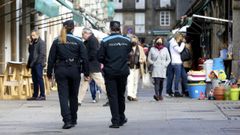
x: 92, y: 46
x: 113, y: 54
x: 37, y: 61
x: 66, y: 55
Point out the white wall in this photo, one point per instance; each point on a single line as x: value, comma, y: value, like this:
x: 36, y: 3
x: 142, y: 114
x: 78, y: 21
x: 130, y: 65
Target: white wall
x: 140, y: 4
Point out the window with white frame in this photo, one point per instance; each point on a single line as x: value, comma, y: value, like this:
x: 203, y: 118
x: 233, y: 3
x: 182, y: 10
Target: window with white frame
x: 118, y: 4
x: 139, y: 22
x: 118, y: 17
x: 165, y: 18
x: 140, y: 4
x: 165, y: 3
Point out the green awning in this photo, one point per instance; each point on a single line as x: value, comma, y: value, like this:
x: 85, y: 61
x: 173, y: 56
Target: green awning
x: 64, y: 3
x: 110, y: 8
x: 76, y: 14
x: 47, y: 7
x: 161, y: 32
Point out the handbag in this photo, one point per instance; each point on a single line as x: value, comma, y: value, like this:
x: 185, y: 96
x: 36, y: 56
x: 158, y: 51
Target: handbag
x: 146, y: 79
x: 186, y: 55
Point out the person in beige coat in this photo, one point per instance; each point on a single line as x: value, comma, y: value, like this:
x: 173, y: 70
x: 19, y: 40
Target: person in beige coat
x: 160, y: 58
x: 136, y: 58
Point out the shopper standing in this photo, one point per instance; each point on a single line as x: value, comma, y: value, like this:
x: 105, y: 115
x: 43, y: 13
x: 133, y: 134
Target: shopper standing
x: 177, y: 45
x: 160, y: 58
x: 37, y: 61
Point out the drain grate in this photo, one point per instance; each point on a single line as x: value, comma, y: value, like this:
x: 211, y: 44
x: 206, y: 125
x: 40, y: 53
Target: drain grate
x: 230, y: 109
x: 231, y: 130
x: 34, y: 106
x: 196, y: 111
x: 44, y: 133
x: 180, y: 119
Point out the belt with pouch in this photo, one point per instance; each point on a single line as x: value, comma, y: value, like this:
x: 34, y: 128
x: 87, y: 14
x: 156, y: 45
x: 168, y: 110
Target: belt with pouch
x: 69, y: 61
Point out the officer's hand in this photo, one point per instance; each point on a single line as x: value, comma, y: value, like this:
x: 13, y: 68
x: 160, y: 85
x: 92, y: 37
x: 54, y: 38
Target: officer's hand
x: 49, y: 77
x: 28, y: 67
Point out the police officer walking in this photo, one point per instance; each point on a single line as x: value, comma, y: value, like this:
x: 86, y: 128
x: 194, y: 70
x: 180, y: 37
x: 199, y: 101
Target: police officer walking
x: 66, y: 54
x: 113, y: 54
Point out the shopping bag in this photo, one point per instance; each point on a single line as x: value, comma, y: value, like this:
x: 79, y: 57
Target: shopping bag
x: 147, y: 81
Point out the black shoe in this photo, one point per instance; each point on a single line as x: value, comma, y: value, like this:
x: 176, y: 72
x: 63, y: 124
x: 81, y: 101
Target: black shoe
x: 67, y: 126
x: 177, y: 94
x: 114, y: 126
x: 160, y: 98
x: 135, y: 99
x: 41, y: 98
x: 79, y: 104
x: 123, y: 122
x: 186, y: 94
x: 32, y: 99
x: 129, y: 98
x: 156, y: 98
x: 106, y: 104
x: 74, y: 123
x: 171, y: 94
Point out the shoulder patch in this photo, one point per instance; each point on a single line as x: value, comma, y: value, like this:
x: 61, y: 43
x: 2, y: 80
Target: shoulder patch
x: 115, y: 36
x: 75, y: 37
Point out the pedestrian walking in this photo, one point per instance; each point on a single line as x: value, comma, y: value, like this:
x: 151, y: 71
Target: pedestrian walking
x: 160, y: 58
x: 66, y: 53
x: 92, y: 46
x: 136, y: 58
x: 113, y: 55
x: 177, y: 44
x: 37, y: 61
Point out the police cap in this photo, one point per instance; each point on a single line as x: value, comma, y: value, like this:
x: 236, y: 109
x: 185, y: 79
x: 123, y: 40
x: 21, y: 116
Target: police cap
x: 69, y: 24
x: 115, y: 24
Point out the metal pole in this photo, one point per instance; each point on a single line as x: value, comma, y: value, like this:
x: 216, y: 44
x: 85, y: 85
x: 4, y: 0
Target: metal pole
x: 30, y: 12
x: 46, y: 18
x: 212, y: 18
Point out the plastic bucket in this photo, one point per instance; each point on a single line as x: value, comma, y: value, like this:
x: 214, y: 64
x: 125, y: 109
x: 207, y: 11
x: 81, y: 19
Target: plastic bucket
x: 195, y: 90
x: 234, y: 94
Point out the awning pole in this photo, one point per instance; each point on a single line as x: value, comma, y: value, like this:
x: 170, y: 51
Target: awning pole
x: 212, y: 18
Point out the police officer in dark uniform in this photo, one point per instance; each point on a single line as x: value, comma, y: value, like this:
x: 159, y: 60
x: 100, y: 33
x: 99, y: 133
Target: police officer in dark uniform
x: 66, y: 55
x: 113, y: 54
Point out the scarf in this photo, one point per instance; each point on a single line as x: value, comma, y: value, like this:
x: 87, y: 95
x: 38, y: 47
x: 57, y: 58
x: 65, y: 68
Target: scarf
x: 159, y: 46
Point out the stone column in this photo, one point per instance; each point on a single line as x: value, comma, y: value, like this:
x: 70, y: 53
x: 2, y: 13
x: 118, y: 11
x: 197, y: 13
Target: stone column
x: 236, y: 39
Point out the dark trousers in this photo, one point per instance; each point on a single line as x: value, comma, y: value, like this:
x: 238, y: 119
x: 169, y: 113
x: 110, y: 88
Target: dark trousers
x: 116, y: 87
x: 158, y: 86
x: 37, y: 78
x: 170, y: 77
x: 184, y: 80
x: 68, y: 81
